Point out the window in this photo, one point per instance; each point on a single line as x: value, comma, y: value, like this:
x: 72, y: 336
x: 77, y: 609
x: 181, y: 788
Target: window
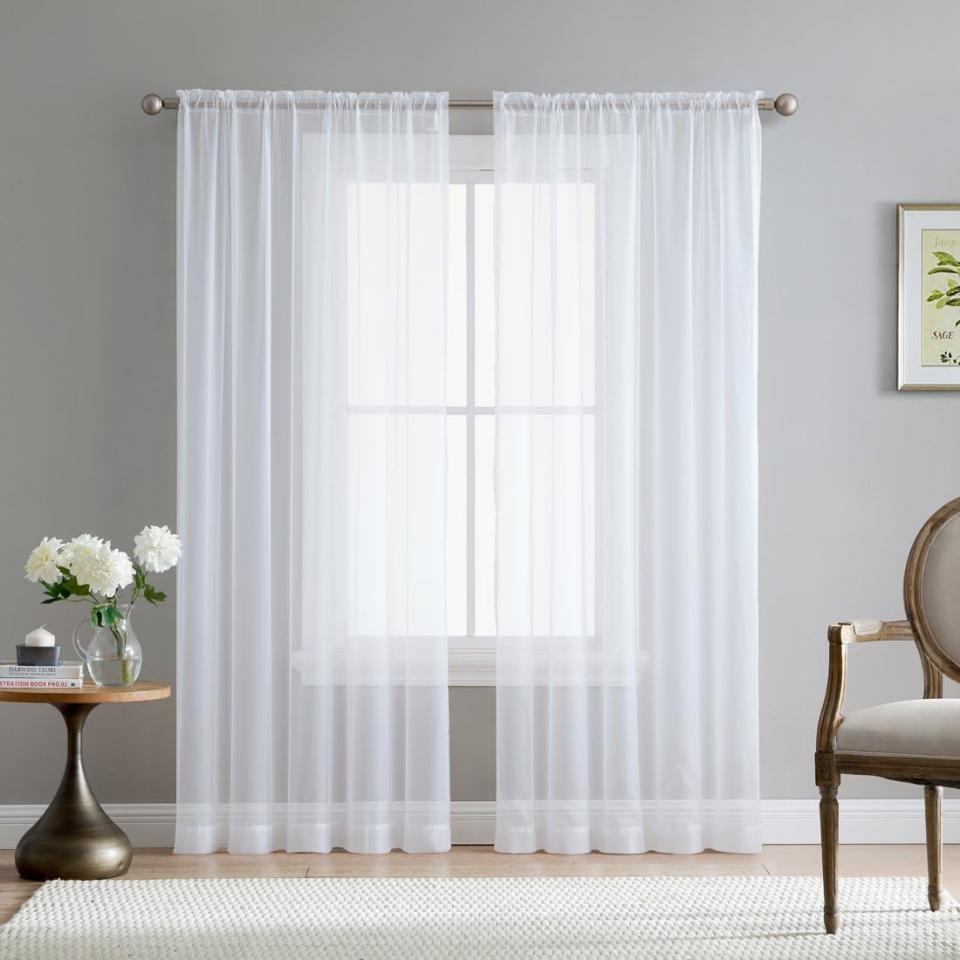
x: 470, y: 395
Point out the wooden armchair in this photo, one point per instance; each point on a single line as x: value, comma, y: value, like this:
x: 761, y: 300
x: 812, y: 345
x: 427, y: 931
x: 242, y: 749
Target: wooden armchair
x: 915, y: 741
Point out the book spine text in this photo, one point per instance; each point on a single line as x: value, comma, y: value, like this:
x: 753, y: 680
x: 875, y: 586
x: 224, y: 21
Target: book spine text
x: 28, y: 683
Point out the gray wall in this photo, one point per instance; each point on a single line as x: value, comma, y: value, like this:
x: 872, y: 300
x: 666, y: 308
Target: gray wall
x: 849, y: 468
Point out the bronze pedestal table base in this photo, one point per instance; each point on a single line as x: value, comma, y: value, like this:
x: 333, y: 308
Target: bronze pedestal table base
x: 75, y: 839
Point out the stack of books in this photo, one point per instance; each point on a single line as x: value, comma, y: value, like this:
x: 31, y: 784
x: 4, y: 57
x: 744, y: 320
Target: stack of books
x: 16, y: 677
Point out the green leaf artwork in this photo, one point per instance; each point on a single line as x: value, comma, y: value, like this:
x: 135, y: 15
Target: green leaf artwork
x: 948, y: 266
x: 946, y: 263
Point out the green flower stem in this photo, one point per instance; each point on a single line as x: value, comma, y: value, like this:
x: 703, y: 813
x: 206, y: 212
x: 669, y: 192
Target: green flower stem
x: 126, y: 664
x: 126, y: 672
x: 121, y: 641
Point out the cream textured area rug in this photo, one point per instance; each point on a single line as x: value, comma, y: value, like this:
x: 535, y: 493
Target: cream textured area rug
x: 375, y: 919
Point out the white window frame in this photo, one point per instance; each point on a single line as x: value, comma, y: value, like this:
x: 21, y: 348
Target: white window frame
x: 472, y: 658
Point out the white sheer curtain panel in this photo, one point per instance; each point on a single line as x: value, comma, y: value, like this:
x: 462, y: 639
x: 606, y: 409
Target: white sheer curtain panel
x: 626, y: 472
x: 311, y: 636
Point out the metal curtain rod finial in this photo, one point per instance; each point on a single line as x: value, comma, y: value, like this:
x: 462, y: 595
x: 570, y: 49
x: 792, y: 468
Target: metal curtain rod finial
x: 786, y: 104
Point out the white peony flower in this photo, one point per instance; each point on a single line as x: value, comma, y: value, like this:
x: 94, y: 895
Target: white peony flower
x: 157, y: 548
x: 44, y: 560
x: 119, y: 570
x: 101, y: 568
x: 80, y: 552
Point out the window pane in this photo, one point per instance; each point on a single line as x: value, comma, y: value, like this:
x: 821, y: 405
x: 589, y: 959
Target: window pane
x: 485, y: 519
x: 456, y: 526
x: 395, y: 532
x: 395, y: 250
x: 546, y: 294
x: 457, y: 298
x: 545, y: 518
x: 483, y: 296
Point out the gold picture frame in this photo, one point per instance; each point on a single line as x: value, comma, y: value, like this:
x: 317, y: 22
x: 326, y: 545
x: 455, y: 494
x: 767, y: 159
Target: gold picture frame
x: 928, y: 296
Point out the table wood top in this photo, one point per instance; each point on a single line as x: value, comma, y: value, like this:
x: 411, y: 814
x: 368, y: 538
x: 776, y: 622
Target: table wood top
x: 89, y: 693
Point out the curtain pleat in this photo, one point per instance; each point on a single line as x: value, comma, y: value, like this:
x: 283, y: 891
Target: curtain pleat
x: 626, y: 472
x: 312, y: 649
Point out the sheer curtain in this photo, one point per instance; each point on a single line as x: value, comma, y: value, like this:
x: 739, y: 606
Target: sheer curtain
x: 626, y: 472
x: 312, y: 651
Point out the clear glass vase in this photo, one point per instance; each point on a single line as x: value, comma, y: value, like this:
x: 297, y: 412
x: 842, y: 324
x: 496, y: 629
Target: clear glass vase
x: 112, y: 655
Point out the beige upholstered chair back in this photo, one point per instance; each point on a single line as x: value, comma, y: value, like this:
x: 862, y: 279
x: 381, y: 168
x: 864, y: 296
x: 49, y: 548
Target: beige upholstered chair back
x: 931, y: 588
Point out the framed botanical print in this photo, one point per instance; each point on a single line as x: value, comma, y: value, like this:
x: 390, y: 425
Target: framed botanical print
x: 929, y: 296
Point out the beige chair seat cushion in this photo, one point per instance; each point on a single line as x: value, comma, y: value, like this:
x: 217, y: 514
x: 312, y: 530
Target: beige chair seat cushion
x: 908, y: 728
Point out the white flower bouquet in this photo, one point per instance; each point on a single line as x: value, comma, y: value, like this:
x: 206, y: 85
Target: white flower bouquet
x: 90, y: 570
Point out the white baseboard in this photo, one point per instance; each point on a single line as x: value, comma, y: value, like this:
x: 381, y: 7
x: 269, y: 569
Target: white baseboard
x: 861, y: 821
x: 784, y: 821
x: 146, y: 824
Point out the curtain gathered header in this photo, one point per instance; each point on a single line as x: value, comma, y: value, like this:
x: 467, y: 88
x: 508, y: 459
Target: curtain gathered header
x: 624, y: 102
x: 260, y: 100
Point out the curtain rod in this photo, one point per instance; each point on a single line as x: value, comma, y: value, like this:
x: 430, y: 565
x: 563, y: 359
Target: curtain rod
x: 786, y: 104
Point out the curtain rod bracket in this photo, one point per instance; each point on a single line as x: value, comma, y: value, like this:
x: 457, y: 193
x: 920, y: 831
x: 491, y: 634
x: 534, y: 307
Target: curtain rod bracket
x: 786, y: 104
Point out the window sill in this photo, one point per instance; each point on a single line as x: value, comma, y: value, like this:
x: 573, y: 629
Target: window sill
x: 472, y: 662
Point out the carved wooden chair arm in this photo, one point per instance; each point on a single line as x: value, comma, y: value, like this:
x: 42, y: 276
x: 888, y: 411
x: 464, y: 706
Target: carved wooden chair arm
x: 839, y: 637
x: 866, y: 631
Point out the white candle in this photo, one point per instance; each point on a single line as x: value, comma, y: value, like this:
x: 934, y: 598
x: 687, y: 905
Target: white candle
x: 39, y: 638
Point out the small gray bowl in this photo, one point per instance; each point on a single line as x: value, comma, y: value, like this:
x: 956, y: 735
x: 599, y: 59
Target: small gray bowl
x: 37, y: 656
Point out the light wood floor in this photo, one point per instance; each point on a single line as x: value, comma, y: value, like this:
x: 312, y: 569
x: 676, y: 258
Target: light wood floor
x: 855, y: 860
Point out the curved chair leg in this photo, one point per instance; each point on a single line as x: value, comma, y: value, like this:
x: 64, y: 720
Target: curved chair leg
x: 933, y: 802
x: 829, y: 837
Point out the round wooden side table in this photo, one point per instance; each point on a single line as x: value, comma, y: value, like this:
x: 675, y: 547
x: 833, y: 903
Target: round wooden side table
x: 75, y: 839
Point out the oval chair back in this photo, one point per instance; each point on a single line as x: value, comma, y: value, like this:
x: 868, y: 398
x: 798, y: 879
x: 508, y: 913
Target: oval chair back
x: 931, y: 588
